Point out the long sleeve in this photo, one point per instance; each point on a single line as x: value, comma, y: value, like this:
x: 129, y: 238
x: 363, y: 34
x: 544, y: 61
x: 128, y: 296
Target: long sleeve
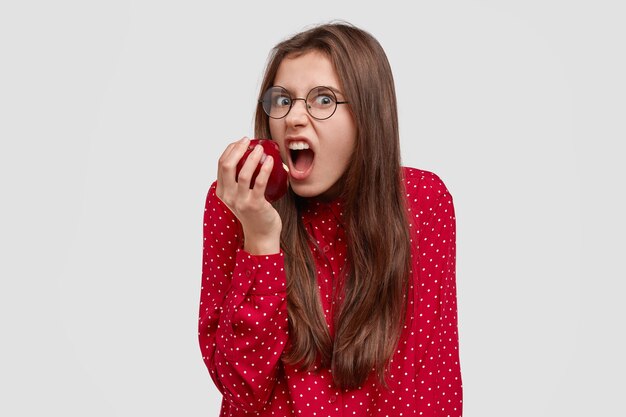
x: 439, y: 386
x: 243, y: 325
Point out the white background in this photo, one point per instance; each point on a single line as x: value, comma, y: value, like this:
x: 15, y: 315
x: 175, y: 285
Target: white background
x: 113, y: 115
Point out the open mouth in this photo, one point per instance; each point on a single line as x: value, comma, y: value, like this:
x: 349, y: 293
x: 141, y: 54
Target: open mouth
x: 301, y: 156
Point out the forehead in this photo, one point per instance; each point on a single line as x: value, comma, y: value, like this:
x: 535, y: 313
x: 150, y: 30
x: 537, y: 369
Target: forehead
x: 300, y: 73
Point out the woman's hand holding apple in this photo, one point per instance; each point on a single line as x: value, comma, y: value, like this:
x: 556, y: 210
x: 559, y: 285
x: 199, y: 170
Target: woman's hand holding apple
x: 260, y: 222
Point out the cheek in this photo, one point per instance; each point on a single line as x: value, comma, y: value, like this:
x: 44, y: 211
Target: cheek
x: 346, y: 141
x: 341, y: 155
x: 277, y: 135
x: 275, y: 125
x: 345, y: 157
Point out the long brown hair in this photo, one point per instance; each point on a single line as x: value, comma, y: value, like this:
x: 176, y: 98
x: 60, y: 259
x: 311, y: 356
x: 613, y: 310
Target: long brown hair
x: 373, y: 305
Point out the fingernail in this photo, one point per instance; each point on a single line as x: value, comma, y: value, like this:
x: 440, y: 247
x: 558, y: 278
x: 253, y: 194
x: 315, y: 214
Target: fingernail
x: 263, y: 158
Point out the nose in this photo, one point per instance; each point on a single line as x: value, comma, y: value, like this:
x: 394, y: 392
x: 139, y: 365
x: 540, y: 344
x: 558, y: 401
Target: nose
x: 297, y: 114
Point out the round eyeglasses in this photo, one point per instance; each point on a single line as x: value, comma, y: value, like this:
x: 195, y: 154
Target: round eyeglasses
x: 320, y: 103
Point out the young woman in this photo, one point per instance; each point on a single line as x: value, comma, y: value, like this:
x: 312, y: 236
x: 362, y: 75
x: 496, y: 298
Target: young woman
x: 340, y: 298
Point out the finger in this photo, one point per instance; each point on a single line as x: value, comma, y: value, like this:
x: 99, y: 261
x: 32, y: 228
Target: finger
x: 220, y: 161
x: 260, y: 184
x: 233, y: 146
x: 248, y: 168
x: 228, y: 165
x: 224, y: 180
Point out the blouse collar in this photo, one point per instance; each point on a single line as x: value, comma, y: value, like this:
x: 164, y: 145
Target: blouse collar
x: 314, y: 209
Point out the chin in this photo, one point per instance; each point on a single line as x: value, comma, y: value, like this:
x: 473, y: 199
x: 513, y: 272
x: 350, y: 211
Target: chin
x: 325, y: 192
x: 304, y: 192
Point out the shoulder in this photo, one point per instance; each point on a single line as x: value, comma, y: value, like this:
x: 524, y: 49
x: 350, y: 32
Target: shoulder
x: 423, y: 184
x: 425, y: 192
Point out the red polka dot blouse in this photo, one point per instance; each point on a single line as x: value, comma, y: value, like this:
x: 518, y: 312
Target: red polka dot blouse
x: 243, y: 327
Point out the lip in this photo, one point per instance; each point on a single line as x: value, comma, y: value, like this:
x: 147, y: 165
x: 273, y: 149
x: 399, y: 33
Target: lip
x: 293, y: 172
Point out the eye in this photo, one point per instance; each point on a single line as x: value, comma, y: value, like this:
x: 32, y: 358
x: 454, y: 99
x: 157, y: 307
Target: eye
x: 321, y: 98
x: 324, y: 100
x: 281, y: 101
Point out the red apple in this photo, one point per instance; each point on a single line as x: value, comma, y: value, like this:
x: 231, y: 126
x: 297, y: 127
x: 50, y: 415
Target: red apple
x: 277, y: 183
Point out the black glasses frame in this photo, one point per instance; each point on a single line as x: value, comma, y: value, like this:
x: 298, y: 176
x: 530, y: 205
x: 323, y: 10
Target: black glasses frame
x: 305, y: 99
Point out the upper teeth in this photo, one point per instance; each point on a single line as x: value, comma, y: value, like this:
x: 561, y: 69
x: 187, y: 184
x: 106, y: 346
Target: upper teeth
x: 298, y: 145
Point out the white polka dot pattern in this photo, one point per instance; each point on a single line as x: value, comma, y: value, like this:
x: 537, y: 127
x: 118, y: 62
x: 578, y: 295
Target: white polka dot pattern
x: 243, y: 328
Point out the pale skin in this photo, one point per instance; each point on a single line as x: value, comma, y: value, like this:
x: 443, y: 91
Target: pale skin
x: 332, y: 141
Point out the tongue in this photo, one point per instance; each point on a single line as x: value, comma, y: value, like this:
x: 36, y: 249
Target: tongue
x: 303, y: 159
